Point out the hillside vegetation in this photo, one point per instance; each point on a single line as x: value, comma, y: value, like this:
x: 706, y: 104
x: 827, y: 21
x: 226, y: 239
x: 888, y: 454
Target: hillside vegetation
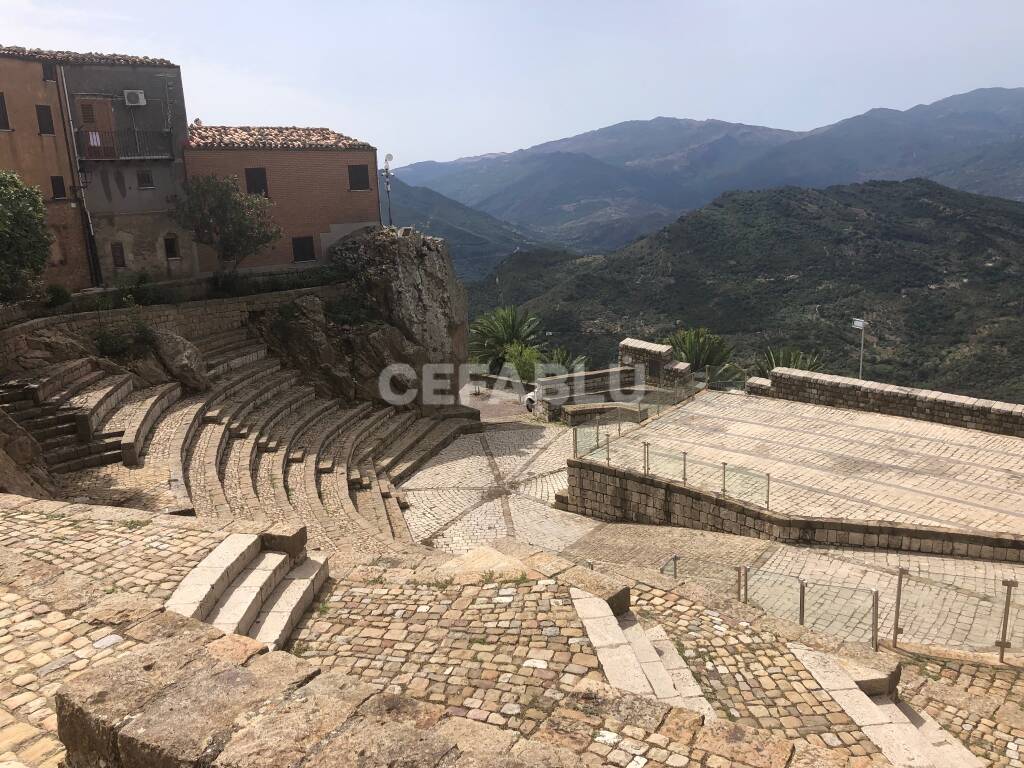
x: 938, y: 273
x: 600, y: 190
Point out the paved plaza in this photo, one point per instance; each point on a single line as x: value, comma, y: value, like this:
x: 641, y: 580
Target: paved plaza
x: 827, y: 462
x: 501, y: 483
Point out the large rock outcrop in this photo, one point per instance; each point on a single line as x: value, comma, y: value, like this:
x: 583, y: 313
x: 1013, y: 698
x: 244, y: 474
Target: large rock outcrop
x: 22, y: 470
x: 398, y: 301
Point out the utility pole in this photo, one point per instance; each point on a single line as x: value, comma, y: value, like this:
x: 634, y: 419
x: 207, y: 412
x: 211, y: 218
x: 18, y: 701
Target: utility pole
x: 387, y: 174
x: 861, y: 323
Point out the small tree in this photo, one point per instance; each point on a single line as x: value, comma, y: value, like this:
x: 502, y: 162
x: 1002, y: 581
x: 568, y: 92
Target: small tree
x: 787, y: 357
x: 700, y: 348
x: 490, y: 335
x: 235, y: 224
x: 24, y: 238
x: 524, y: 359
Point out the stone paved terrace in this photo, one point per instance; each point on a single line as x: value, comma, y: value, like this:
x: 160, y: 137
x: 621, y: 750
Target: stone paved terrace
x: 828, y: 462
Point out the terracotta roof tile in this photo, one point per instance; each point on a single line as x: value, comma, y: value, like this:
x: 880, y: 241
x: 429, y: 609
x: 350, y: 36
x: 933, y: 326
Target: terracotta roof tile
x: 269, y: 137
x: 71, y: 57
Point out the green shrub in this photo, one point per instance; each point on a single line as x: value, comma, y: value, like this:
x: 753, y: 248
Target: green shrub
x: 144, y: 335
x: 57, y: 296
x: 112, y: 344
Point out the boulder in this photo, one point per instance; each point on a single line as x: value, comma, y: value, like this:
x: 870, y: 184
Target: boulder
x: 183, y: 360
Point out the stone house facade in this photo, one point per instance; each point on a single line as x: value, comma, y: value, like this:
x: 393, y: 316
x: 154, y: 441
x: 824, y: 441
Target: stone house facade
x: 34, y: 144
x: 323, y: 185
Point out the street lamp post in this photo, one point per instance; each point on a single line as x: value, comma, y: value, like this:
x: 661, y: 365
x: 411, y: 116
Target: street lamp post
x: 387, y: 174
x: 861, y: 323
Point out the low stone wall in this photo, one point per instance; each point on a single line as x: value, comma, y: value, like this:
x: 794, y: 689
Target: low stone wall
x: 553, y: 392
x: 622, y: 495
x: 923, y: 404
x: 191, y: 320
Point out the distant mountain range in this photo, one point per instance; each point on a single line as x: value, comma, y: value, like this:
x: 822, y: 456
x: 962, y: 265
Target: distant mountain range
x: 938, y: 273
x: 601, y: 190
x: 477, y: 240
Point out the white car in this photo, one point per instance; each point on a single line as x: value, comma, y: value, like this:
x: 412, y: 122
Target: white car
x: 531, y: 401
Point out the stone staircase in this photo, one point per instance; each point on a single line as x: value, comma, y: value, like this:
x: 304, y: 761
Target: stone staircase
x: 64, y: 407
x: 907, y: 738
x: 257, y: 585
x: 636, y: 660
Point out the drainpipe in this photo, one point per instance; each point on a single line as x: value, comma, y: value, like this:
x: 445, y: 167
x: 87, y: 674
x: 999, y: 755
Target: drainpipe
x: 95, y: 273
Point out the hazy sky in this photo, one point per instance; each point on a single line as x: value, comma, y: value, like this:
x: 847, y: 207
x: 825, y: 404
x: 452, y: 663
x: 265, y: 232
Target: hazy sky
x: 441, y: 79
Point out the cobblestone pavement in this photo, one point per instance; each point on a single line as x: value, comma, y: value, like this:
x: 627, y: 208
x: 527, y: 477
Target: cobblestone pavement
x: 495, y: 484
x: 125, y: 553
x: 105, y: 550
x: 143, y: 487
x: 832, y: 463
x: 501, y: 653
x: 751, y: 677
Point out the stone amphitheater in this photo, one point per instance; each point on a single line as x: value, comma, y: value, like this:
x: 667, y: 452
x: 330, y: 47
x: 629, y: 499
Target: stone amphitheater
x: 249, y: 570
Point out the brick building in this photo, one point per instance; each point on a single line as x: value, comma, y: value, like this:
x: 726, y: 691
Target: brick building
x: 35, y: 144
x: 323, y: 184
x: 101, y: 135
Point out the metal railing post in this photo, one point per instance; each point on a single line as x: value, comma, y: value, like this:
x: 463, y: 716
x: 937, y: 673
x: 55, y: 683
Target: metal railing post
x: 768, y: 491
x: 723, y: 478
x: 575, y: 443
x: 1003, y: 644
x: 684, y: 467
x: 675, y: 566
x: 746, y: 582
x: 874, y: 620
x: 607, y: 452
x: 739, y: 583
x: 803, y: 591
x: 897, y: 630
x: 589, y: 564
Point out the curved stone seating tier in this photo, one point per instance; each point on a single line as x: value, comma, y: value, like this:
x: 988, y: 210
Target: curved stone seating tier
x: 49, y: 383
x: 137, y: 416
x: 241, y: 460
x: 368, y: 448
x: 95, y: 403
x: 221, y: 424
x: 190, y: 421
x: 393, y: 453
x: 301, y: 478
x: 236, y: 357
x: 217, y: 343
x: 274, y: 493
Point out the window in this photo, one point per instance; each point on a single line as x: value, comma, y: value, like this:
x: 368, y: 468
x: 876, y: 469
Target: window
x: 302, y: 249
x: 49, y: 71
x: 5, y: 124
x: 358, y: 177
x: 45, y: 118
x: 57, y: 183
x: 117, y: 254
x: 171, y: 247
x: 145, y: 179
x: 256, y: 181
x: 88, y: 113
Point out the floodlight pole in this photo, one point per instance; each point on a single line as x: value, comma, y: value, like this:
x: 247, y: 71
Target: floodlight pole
x: 386, y: 173
x: 862, y: 324
x: 861, y: 328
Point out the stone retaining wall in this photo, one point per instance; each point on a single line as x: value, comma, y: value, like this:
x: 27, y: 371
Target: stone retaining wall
x: 622, y: 495
x: 923, y: 404
x: 553, y: 392
x: 191, y: 320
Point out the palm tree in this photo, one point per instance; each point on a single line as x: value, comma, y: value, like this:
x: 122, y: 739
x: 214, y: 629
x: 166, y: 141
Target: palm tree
x: 524, y: 359
x: 787, y: 357
x: 700, y: 348
x: 492, y: 333
x: 563, y: 358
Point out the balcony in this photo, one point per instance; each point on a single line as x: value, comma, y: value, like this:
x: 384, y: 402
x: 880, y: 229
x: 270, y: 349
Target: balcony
x: 124, y: 145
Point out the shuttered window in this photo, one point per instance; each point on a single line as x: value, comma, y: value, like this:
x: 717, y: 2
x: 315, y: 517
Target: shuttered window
x: 4, y: 122
x: 117, y: 254
x: 59, y: 191
x: 256, y: 181
x: 49, y: 71
x: 358, y: 177
x: 45, y: 118
x: 303, y: 249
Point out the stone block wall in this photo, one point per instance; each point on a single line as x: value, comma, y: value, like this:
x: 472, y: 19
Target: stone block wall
x: 923, y: 404
x: 553, y: 392
x: 614, y: 494
x: 191, y: 320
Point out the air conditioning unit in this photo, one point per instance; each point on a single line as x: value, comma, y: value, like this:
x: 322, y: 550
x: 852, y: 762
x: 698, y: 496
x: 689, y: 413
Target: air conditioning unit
x: 135, y: 98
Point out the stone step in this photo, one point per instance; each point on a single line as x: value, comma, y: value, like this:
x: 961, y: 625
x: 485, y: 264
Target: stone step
x: 79, y: 384
x: 903, y: 736
x: 618, y: 658
x: 66, y: 427
x: 688, y: 692
x: 77, y: 450
x: 241, y: 602
x: 286, y: 605
x: 109, y: 456
x: 235, y: 358
x: 203, y: 586
x: 561, y: 501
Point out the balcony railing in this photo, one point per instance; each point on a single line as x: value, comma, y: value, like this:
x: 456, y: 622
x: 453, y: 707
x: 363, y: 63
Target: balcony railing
x: 124, y: 145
